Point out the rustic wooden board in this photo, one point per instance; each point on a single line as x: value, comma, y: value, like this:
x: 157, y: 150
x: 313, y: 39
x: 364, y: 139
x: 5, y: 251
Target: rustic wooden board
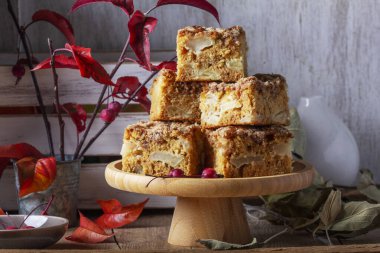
x: 92, y: 187
x: 72, y: 87
x: 30, y: 129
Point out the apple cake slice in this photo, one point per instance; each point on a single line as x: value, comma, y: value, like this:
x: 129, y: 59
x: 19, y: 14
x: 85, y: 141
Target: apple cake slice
x: 261, y: 99
x: 176, y: 101
x: 154, y: 148
x: 211, y: 54
x: 243, y: 151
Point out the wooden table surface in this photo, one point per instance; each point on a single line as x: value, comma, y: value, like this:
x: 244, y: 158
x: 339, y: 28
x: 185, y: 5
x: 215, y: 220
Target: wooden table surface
x: 149, y: 234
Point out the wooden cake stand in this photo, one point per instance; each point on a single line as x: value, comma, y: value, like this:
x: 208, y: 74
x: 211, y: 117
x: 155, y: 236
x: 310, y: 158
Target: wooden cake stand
x: 209, y: 208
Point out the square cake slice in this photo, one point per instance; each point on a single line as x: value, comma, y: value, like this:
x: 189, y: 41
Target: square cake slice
x: 257, y: 100
x: 154, y: 148
x: 176, y: 101
x: 249, y: 151
x: 211, y: 54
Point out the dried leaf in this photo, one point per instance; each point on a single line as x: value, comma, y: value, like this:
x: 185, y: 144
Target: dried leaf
x: 219, y: 245
x: 331, y: 208
x: 18, y: 71
x: 357, y: 217
x: 139, y: 28
x: 367, y: 186
x: 88, y: 66
x: 201, y: 4
x: 126, y: 5
x: 60, y: 61
x: 44, y: 175
x: 116, y: 216
x: 2, y: 212
x: 88, y: 232
x: 77, y: 114
x: 26, y: 168
x: 16, y: 151
x: 57, y: 20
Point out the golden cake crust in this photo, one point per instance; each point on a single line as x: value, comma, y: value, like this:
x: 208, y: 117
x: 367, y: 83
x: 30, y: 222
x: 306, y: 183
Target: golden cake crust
x: 249, y: 151
x: 176, y: 101
x: 211, y: 54
x: 154, y: 148
x: 256, y: 100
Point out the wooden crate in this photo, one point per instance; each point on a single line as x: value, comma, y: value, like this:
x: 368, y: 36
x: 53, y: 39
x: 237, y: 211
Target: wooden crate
x: 20, y: 123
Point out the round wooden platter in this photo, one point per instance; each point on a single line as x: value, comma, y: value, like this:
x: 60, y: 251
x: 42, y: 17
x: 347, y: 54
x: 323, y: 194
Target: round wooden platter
x: 209, y: 208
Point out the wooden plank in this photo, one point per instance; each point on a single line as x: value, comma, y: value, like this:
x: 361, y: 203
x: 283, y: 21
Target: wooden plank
x: 92, y: 187
x: 72, y: 87
x: 30, y: 129
x: 8, y: 42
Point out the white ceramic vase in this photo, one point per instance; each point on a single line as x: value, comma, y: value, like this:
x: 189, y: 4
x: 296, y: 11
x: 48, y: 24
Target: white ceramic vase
x: 331, y: 148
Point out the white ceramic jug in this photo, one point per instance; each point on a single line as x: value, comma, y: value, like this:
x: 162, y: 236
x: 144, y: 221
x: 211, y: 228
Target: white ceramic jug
x: 331, y: 148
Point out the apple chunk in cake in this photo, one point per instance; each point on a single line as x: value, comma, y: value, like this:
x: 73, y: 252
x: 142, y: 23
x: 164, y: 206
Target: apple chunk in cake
x: 154, y: 148
x: 211, y: 54
x: 257, y: 100
x: 249, y: 151
x: 177, y: 101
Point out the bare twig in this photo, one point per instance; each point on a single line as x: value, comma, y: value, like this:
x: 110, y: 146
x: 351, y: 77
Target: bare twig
x: 21, y: 32
x: 100, y: 101
x: 56, y: 102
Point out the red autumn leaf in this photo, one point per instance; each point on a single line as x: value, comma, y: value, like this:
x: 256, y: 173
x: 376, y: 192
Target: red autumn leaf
x: 26, y: 168
x: 57, y: 20
x: 88, y: 66
x: 2, y: 212
x: 77, y: 114
x: 116, y: 216
x: 16, y: 151
x: 126, y: 5
x: 88, y: 232
x: 126, y: 86
x: 201, y: 4
x: 60, y: 61
x: 139, y: 28
x: 44, y: 175
x: 171, y: 65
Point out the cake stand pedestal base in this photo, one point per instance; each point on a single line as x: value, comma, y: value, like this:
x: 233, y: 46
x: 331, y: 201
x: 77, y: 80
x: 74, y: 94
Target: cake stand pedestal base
x: 222, y: 219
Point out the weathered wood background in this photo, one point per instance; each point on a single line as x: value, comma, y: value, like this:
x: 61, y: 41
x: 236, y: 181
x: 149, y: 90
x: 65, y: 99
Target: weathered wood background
x: 325, y: 47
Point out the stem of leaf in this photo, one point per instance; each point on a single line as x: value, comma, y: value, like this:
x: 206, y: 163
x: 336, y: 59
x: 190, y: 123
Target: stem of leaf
x: 275, y: 235
x: 57, y: 103
x: 115, y: 239
x: 100, y: 102
x: 31, y: 212
x: 34, y: 78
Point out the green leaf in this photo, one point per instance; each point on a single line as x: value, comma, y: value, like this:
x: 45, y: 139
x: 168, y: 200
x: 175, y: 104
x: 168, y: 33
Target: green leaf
x: 331, y: 208
x: 357, y: 217
x: 367, y: 186
x: 219, y: 245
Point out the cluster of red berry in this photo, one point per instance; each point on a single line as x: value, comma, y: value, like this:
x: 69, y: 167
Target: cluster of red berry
x: 206, y: 173
x: 108, y: 115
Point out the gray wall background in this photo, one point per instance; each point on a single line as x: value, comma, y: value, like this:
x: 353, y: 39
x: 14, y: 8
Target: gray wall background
x: 324, y: 47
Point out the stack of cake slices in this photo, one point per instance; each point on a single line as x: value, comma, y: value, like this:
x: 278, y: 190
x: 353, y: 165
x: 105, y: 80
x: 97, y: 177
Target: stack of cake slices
x: 211, y: 114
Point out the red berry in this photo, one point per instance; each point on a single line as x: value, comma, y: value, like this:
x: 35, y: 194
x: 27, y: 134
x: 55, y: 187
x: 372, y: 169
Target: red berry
x: 108, y: 115
x: 11, y: 228
x: 209, y: 173
x: 176, y: 173
x: 115, y: 106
